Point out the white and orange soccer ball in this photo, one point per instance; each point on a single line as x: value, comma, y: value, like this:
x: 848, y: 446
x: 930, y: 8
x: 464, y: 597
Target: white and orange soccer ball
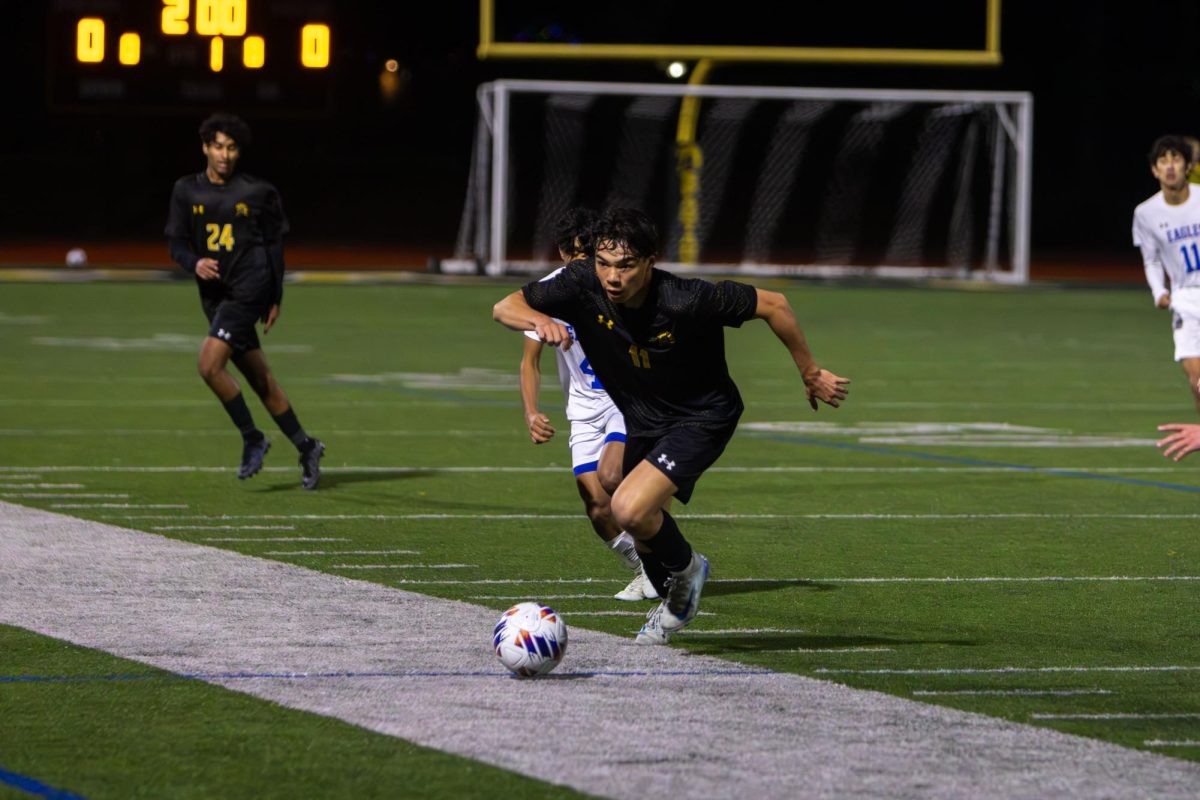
x: 530, y: 639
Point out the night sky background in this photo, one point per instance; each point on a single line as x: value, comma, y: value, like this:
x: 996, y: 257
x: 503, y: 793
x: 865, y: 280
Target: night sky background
x: 1107, y: 78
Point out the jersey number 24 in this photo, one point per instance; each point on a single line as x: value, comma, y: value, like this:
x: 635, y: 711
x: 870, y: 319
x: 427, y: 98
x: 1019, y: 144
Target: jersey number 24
x: 219, y: 236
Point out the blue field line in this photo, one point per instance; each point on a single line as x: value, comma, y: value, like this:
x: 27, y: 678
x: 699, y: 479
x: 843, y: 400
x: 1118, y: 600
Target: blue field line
x: 239, y: 676
x: 974, y: 462
x: 24, y: 783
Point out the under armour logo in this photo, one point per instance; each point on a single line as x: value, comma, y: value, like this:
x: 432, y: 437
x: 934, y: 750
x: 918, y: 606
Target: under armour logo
x: 224, y: 334
x: 608, y: 323
x: 666, y: 462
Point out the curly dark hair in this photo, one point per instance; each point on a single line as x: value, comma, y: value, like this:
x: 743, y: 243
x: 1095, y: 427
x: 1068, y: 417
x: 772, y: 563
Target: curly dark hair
x: 629, y: 227
x: 574, y: 225
x: 229, y: 124
x: 1171, y: 144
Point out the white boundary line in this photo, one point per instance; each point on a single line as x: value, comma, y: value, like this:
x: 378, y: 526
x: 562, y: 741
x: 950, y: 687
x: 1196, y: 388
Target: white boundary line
x: 802, y: 580
x: 343, y: 553
x: 1172, y: 743
x: 6, y: 486
x: 64, y: 495
x: 556, y: 517
x: 1008, y: 692
x: 833, y: 651
x: 223, y: 527
x: 123, y: 505
x: 1113, y: 716
x: 278, y: 539
x: 1011, y: 670
x: 802, y: 470
x: 403, y: 566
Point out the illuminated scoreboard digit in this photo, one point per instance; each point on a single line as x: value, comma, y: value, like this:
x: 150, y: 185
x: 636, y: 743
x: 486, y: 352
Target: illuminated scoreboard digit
x: 191, y: 54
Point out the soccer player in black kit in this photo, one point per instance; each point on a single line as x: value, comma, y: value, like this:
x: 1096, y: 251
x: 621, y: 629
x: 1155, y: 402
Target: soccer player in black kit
x: 656, y: 342
x: 226, y: 228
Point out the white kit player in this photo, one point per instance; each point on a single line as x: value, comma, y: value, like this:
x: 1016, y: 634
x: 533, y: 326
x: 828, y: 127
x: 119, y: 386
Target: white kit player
x: 1167, y: 229
x: 597, y: 427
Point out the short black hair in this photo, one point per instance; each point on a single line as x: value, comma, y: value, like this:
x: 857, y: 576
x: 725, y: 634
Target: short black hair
x: 574, y: 224
x: 629, y: 227
x: 229, y: 124
x: 1170, y: 143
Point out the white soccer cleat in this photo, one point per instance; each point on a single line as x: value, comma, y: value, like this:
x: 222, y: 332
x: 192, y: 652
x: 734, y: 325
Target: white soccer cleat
x: 683, y: 594
x: 652, y: 630
x: 640, y: 588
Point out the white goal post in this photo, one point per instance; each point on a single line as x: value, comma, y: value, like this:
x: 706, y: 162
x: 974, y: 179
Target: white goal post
x: 887, y: 183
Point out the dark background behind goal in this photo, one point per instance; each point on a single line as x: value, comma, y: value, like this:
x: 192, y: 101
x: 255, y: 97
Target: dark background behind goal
x: 1107, y: 78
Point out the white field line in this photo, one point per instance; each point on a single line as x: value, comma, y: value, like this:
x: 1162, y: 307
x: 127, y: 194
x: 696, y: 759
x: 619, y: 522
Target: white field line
x: 1008, y: 692
x: 333, y: 434
x: 342, y: 553
x: 689, y: 632
x: 836, y: 650
x: 803, y: 470
x: 403, y: 566
x: 121, y: 505
x: 1114, y: 716
x: 278, y: 539
x: 1011, y: 670
x: 6, y: 486
x: 556, y: 517
x: 65, y: 495
x: 748, y: 732
x: 801, y: 580
x: 622, y: 613
x: 20, y: 476
x: 510, y: 597
x: 223, y: 528
x: 1172, y: 743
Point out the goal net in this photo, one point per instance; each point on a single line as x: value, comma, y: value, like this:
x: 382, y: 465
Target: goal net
x: 758, y: 180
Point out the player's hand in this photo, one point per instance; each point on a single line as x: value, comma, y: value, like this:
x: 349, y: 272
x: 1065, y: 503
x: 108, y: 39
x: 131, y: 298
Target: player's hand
x: 208, y: 269
x: 1164, y: 301
x: 540, y: 429
x: 1184, y: 440
x: 553, y: 333
x: 270, y: 318
x: 823, y: 385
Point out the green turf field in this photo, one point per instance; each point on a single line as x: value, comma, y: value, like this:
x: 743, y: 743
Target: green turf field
x: 984, y: 525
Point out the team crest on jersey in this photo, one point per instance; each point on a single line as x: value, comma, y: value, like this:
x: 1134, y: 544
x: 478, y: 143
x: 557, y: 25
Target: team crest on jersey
x: 241, y: 210
x: 198, y: 209
x: 663, y: 339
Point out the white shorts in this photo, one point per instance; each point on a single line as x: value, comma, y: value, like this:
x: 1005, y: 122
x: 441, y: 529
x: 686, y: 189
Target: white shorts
x: 589, y: 437
x: 1187, y: 336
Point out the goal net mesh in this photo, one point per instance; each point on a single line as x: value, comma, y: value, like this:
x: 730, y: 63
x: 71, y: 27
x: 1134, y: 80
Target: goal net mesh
x: 866, y: 185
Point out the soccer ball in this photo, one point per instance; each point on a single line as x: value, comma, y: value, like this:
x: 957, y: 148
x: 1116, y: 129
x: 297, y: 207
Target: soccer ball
x: 530, y: 639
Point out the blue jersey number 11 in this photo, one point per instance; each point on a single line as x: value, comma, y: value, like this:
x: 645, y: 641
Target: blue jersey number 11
x: 1191, y: 259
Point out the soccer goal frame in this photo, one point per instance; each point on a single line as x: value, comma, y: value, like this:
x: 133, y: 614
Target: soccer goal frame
x: 483, y: 236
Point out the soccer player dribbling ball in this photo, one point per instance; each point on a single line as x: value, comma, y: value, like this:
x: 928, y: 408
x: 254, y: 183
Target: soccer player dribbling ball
x: 226, y: 228
x: 656, y: 342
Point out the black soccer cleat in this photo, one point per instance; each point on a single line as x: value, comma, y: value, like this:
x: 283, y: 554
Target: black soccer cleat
x: 252, y: 458
x: 310, y: 462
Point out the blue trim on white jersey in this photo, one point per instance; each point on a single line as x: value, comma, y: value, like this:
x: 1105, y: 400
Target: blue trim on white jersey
x: 615, y: 436
x: 591, y: 466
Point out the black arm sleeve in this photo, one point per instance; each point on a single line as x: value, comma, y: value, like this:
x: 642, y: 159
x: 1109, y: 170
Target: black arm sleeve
x: 559, y: 296
x: 179, y: 239
x: 274, y: 226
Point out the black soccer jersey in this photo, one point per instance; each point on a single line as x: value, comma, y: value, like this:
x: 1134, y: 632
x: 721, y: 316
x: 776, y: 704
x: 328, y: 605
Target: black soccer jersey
x: 663, y: 363
x: 240, y: 224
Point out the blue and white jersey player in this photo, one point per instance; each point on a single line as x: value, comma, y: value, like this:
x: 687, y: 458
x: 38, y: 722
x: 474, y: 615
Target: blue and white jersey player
x: 597, y: 438
x: 1167, y: 229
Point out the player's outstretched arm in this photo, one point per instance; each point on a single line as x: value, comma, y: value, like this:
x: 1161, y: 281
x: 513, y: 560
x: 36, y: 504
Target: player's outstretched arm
x: 1184, y: 439
x: 514, y: 313
x: 819, y: 384
x: 540, y: 429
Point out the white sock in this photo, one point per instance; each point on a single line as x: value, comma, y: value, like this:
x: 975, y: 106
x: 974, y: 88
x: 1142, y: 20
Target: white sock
x: 626, y: 550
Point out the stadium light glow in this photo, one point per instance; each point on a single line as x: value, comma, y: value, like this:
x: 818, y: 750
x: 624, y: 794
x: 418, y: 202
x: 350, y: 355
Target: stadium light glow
x: 676, y: 69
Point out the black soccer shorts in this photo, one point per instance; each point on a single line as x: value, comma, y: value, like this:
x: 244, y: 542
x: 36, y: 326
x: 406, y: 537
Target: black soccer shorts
x: 233, y: 322
x: 682, y: 454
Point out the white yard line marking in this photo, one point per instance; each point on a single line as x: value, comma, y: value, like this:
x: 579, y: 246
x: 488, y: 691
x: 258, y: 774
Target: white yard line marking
x: 333, y: 434
x: 750, y: 732
x: 738, y: 631
x: 6, y: 486
x: 836, y: 650
x: 801, y: 580
x: 20, y: 476
x: 851, y: 517
x: 342, y: 553
x: 568, y: 614
x: 1114, y: 716
x: 403, y: 566
x: 1172, y: 743
x: 121, y: 505
x: 63, y: 495
x: 1011, y: 670
x: 1008, y: 692
x: 408, y: 468
x: 511, y: 597
x: 223, y: 528
x: 279, y: 539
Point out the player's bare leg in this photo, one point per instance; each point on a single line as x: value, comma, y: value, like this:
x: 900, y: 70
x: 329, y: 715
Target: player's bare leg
x: 638, y: 508
x: 212, y: 364
x: 253, y: 364
x: 1191, y: 368
x: 599, y: 510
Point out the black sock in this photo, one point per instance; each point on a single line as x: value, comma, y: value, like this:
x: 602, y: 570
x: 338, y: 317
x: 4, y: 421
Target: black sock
x: 290, y: 426
x: 656, y: 572
x: 669, y: 546
x: 240, y: 414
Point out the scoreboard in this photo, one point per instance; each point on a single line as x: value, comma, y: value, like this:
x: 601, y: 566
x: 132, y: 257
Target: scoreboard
x: 190, y: 55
